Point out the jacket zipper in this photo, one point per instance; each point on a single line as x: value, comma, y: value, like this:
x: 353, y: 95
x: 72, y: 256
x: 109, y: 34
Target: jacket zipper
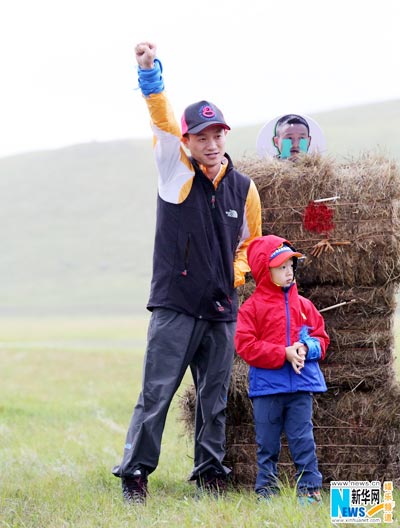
x: 287, y: 318
x: 186, y: 258
x: 288, y: 334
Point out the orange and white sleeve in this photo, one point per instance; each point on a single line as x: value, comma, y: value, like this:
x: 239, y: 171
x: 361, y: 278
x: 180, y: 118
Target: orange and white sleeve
x: 251, y: 229
x: 175, y: 171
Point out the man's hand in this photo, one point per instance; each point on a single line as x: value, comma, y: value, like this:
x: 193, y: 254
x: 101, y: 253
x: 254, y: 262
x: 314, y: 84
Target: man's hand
x: 145, y: 55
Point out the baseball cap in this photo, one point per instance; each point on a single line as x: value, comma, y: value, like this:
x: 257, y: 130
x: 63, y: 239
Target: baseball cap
x: 281, y: 254
x: 201, y: 115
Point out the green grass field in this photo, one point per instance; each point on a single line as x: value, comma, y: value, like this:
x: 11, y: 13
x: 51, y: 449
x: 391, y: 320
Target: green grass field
x: 67, y: 391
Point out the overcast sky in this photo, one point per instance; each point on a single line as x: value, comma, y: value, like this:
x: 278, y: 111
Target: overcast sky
x: 69, y: 74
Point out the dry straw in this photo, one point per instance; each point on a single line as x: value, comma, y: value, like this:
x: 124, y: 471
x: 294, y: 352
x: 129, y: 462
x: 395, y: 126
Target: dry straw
x: 366, y: 216
x: 351, y: 273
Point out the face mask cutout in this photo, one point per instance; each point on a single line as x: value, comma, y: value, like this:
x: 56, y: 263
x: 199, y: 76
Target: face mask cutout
x: 286, y: 148
x: 303, y: 145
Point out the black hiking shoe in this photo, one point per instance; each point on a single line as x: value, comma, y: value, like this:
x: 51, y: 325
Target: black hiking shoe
x: 212, y: 484
x: 134, y: 489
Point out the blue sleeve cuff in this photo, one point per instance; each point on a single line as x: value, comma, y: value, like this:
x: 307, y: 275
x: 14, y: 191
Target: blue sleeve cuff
x: 151, y: 81
x: 314, y: 349
x: 313, y: 345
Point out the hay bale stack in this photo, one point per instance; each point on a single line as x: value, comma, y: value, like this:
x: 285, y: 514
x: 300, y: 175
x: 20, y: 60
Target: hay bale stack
x: 366, y: 221
x: 357, y: 423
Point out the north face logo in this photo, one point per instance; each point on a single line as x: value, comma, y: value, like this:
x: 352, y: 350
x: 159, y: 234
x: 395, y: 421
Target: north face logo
x: 231, y: 213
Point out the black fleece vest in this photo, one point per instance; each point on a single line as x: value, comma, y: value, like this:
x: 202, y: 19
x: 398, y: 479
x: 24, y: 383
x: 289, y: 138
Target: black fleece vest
x: 195, y: 245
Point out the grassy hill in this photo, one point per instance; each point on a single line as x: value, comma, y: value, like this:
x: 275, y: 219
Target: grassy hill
x: 76, y: 224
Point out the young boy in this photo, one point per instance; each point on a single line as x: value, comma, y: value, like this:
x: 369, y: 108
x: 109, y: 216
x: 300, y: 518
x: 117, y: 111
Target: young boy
x: 281, y: 335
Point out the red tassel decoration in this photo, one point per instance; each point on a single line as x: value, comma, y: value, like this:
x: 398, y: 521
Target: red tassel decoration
x: 318, y: 218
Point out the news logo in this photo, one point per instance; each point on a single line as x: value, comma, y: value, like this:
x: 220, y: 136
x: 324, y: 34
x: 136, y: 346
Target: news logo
x: 361, y: 501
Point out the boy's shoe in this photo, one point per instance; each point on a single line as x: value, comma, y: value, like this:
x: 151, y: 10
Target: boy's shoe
x: 134, y: 489
x: 312, y: 497
x: 212, y: 484
x: 266, y: 494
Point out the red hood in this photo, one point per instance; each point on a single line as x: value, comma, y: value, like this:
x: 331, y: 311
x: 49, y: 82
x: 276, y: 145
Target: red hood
x: 258, y: 256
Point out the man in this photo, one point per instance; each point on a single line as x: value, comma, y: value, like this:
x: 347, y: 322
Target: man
x: 292, y: 136
x: 207, y: 214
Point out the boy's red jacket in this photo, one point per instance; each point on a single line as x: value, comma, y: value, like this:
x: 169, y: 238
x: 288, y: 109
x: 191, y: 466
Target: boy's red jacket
x: 270, y: 320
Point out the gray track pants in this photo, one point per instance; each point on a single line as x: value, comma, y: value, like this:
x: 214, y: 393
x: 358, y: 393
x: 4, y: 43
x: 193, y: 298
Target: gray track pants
x: 176, y: 341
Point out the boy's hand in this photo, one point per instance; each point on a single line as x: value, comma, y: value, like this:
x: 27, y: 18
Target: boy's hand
x: 145, y: 54
x: 296, y: 360
x: 302, y: 349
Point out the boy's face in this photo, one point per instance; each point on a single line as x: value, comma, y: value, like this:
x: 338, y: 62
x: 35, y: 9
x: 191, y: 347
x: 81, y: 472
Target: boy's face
x: 291, y: 140
x: 283, y: 275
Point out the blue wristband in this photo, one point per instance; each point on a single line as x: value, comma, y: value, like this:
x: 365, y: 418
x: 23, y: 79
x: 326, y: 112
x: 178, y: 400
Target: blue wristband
x: 313, y: 345
x: 314, y: 349
x: 151, y: 81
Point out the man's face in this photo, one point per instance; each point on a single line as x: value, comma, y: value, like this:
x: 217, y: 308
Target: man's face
x: 208, y: 146
x: 291, y: 140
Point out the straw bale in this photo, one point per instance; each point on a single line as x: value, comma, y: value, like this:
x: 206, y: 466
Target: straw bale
x: 239, y: 382
x: 357, y: 436
x: 366, y: 471
x: 239, y: 409
x: 361, y: 331
x: 366, y: 215
x: 347, y: 471
x: 358, y: 357
x: 341, y: 418
x: 347, y: 410
x: 355, y: 454
x: 374, y: 410
x: 242, y: 453
x: 243, y: 473
x: 352, y: 338
x: 243, y: 433
x: 187, y: 406
x: 353, y: 463
x: 354, y: 361
x: 345, y: 377
x: 361, y: 301
x: 357, y: 422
